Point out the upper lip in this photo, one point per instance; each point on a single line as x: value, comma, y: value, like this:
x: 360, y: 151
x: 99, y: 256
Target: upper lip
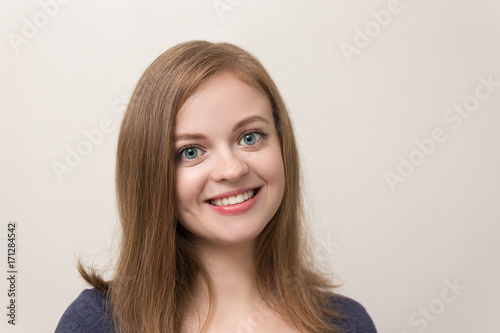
x: 232, y: 193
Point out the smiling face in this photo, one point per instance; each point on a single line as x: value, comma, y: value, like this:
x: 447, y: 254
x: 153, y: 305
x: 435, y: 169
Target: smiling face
x: 229, y: 169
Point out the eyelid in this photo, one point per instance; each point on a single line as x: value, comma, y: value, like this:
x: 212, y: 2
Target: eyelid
x: 183, y: 149
x: 262, y: 134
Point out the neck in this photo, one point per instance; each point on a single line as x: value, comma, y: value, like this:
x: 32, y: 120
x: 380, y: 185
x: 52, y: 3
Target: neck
x: 235, y: 294
x: 230, y: 268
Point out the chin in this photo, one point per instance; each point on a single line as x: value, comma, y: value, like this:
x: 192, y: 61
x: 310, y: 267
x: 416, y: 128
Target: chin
x: 236, y: 237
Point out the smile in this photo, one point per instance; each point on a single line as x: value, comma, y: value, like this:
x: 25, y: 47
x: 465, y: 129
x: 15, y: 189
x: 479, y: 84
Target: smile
x: 233, y: 200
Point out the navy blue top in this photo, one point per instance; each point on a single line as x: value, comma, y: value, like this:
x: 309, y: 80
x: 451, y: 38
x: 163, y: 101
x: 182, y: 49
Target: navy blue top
x: 90, y: 313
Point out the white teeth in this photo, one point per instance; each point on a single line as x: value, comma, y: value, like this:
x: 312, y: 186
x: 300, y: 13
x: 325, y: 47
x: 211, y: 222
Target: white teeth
x: 232, y: 200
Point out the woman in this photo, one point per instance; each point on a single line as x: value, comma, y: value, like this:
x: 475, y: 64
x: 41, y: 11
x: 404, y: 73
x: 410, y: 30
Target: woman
x: 207, y: 180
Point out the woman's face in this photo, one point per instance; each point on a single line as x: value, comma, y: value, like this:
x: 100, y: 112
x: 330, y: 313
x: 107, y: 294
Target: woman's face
x: 229, y: 170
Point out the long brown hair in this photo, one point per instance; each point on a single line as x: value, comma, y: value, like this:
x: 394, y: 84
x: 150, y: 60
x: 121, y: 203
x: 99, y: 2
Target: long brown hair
x: 158, y: 264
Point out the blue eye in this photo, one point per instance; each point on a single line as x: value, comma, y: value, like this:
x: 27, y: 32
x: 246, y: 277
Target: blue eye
x: 190, y: 153
x: 250, y: 139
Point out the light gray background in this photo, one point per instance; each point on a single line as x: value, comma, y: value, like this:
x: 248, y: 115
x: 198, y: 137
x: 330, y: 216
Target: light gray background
x: 395, y: 249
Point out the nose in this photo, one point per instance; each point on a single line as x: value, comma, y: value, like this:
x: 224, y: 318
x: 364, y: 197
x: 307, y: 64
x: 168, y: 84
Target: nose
x: 229, y: 166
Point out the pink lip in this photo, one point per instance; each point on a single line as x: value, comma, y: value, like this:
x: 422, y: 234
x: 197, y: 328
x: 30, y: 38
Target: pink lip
x: 235, y: 209
x: 232, y: 193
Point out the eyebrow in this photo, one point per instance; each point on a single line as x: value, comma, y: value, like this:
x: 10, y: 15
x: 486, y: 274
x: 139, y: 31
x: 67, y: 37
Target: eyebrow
x: 249, y: 120
x: 194, y: 136
x: 241, y: 123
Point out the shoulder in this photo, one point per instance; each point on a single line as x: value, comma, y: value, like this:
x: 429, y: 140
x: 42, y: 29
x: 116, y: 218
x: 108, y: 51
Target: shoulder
x: 90, y: 313
x: 355, y: 317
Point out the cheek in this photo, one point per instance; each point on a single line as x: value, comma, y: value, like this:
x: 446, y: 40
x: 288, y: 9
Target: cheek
x: 188, y: 186
x: 272, y: 170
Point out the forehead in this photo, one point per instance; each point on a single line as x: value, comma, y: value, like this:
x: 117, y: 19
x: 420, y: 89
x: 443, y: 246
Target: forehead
x: 220, y: 102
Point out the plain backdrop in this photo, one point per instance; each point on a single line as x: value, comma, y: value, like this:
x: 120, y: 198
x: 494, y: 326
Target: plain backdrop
x: 398, y: 133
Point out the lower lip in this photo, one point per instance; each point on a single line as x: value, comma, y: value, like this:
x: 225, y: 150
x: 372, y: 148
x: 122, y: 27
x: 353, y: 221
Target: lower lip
x: 235, y: 209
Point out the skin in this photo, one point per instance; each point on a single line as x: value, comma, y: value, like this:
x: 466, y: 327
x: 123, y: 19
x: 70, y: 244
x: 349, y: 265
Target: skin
x: 223, y: 156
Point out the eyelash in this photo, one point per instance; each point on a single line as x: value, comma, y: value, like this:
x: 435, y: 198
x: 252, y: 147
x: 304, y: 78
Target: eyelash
x: 259, y: 132
x: 183, y: 149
